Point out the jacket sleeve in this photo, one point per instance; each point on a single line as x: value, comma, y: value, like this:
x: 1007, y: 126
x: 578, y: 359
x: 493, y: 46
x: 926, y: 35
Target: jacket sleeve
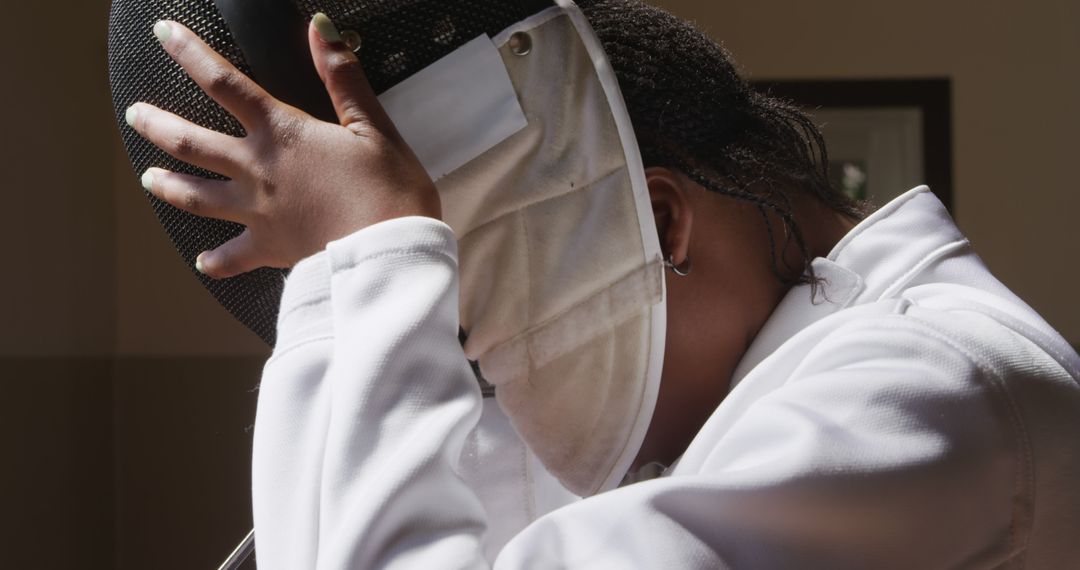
x: 364, y: 409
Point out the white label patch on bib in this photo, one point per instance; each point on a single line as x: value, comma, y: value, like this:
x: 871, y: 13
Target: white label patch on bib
x: 457, y: 108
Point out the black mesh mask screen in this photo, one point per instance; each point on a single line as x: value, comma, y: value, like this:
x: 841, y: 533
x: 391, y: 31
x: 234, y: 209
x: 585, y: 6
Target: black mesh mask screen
x: 400, y: 37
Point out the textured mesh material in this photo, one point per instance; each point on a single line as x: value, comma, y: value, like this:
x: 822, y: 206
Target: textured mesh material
x: 400, y: 37
x: 139, y: 70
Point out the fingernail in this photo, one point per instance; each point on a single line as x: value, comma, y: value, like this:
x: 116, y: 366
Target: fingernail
x: 130, y: 115
x: 199, y: 264
x: 148, y: 181
x: 326, y: 28
x: 163, y: 31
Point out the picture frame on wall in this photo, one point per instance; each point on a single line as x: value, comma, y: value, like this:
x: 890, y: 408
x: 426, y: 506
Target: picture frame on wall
x: 883, y: 137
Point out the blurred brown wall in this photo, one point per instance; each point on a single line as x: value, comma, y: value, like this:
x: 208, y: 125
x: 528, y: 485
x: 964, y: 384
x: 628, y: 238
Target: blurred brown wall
x: 59, y: 275
x: 126, y: 390
x: 127, y: 396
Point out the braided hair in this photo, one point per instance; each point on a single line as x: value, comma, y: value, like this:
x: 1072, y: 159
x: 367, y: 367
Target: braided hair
x: 692, y: 112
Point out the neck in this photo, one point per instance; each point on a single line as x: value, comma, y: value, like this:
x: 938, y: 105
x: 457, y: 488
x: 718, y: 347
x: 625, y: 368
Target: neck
x: 716, y: 313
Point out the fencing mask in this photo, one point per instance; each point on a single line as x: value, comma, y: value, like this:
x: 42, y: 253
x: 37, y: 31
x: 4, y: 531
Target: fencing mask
x: 514, y: 112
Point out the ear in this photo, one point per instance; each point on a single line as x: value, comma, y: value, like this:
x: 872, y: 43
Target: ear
x: 672, y: 209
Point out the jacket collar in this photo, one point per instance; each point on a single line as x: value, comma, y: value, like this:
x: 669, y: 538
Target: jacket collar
x: 874, y: 261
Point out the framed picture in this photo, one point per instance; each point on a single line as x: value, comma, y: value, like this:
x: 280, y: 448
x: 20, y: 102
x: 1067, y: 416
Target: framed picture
x: 884, y: 137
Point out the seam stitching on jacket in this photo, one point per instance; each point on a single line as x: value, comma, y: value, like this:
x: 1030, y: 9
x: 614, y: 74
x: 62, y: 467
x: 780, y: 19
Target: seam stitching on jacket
x: 1033, y: 335
x: 1023, y: 440
x: 279, y: 354
x: 310, y: 302
x: 403, y: 252
x: 1027, y: 333
x: 996, y: 385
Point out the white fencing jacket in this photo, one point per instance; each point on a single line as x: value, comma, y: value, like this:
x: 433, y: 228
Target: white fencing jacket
x: 915, y: 415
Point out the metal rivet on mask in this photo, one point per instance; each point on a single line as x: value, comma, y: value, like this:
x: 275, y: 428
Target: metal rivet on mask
x: 520, y: 43
x: 352, y: 40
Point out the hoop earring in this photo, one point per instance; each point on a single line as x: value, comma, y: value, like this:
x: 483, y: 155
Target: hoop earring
x: 681, y: 271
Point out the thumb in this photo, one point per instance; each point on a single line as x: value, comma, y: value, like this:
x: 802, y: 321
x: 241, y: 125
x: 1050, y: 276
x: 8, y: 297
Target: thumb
x: 234, y: 257
x: 340, y: 70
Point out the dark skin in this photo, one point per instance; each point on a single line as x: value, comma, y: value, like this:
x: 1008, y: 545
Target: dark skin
x: 293, y: 184
x: 715, y: 313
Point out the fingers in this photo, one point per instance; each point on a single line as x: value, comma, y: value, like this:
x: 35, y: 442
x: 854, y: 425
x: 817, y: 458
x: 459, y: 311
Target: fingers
x: 185, y: 140
x: 211, y: 199
x: 233, y: 90
x: 237, y: 256
x: 344, y: 77
x: 206, y: 198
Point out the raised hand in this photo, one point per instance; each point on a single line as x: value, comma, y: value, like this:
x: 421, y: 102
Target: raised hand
x: 295, y: 182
